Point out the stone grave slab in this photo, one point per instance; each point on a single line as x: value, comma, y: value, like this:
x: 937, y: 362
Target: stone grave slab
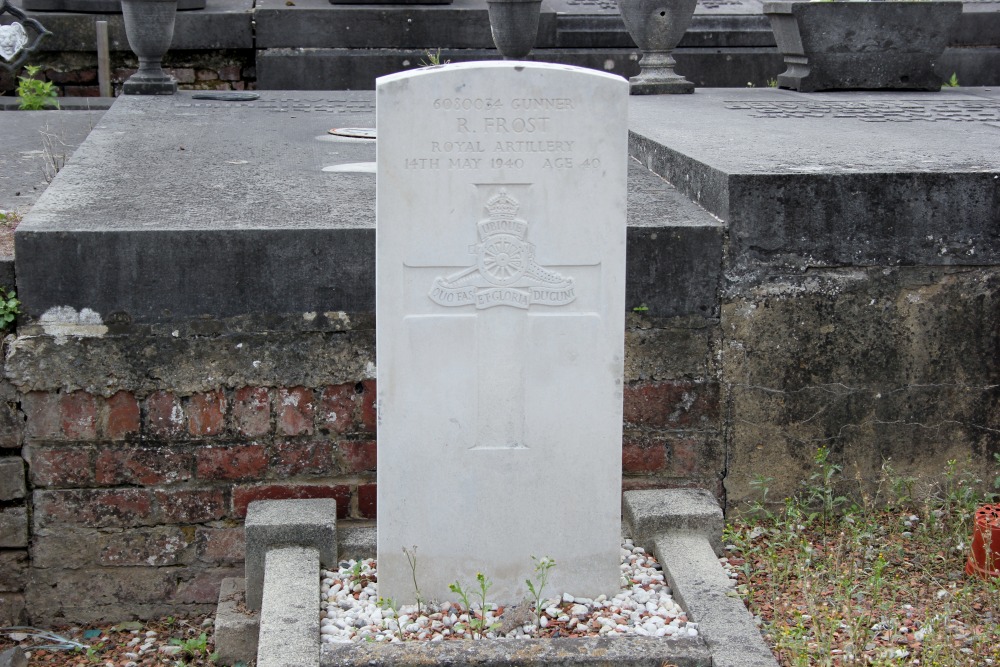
x: 176, y: 208
x: 797, y: 176
x: 500, y: 251
x: 245, y: 207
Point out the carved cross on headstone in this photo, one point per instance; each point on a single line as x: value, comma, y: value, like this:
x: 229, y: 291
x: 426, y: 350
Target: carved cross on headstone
x: 505, y: 275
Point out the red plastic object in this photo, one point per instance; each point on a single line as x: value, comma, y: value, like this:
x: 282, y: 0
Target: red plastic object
x: 984, y: 561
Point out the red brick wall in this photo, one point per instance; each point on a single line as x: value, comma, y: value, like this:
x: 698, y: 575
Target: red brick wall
x: 137, y: 501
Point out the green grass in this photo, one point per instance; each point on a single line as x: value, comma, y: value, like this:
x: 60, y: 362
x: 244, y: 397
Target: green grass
x: 876, y: 582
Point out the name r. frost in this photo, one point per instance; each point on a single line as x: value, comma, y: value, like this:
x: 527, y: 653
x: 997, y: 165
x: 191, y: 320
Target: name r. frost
x: 504, y: 125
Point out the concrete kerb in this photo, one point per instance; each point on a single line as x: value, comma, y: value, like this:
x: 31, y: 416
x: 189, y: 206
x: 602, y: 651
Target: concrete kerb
x: 651, y: 513
x: 683, y: 528
x: 283, y: 523
x: 289, y: 616
x: 237, y: 627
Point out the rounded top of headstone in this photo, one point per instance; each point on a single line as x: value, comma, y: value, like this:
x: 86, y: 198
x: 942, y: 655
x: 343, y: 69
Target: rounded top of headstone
x: 496, y: 67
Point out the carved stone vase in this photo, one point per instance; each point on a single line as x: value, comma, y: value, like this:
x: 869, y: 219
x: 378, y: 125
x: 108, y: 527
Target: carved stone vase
x: 149, y: 26
x: 656, y: 26
x: 514, y: 24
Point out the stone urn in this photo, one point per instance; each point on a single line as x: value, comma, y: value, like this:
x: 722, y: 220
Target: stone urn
x: 149, y: 26
x: 656, y: 26
x: 514, y: 24
x: 862, y: 45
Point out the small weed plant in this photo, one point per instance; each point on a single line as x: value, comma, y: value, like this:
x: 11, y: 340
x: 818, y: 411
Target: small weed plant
x: 10, y: 218
x: 433, y: 59
x: 879, y: 581
x: 10, y: 308
x: 536, y: 587
x: 478, y: 626
x: 411, y: 558
x: 35, y: 94
x: 195, y: 648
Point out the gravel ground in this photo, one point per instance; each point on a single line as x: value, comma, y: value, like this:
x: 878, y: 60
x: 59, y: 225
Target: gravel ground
x: 169, y: 641
x: 353, y: 612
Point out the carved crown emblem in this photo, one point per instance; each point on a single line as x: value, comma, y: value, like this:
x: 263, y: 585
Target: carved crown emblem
x: 502, y: 206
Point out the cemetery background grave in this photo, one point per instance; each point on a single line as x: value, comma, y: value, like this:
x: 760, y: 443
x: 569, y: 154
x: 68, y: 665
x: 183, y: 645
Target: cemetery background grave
x: 745, y: 341
x: 313, y: 44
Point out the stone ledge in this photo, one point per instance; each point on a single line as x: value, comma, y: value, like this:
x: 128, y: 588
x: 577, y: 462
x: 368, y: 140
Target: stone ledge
x: 223, y: 24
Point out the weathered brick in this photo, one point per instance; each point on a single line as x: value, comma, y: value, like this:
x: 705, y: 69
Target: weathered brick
x: 11, y: 478
x: 243, y: 462
x: 13, y: 570
x: 94, y: 508
x: 685, y: 456
x: 703, y: 456
x: 13, y: 528
x: 12, y: 609
x: 337, y: 407
x: 66, y: 547
x: 78, y: 412
x: 164, y: 415
x: 672, y: 404
x: 146, y: 466
x: 292, y: 459
x: 229, y: 73
x: 60, y: 467
x: 11, y: 421
x: 42, y: 418
x: 124, y: 587
x: 205, y: 75
x: 207, y: 413
x: 367, y: 501
x: 121, y: 416
x: 72, y: 76
x: 244, y: 495
x: 294, y: 407
x: 182, y: 74
x: 369, y: 412
x: 81, y: 91
x: 203, y: 586
x: 119, y: 75
x: 158, y: 546
x: 220, y: 545
x: 358, y: 456
x: 190, y: 505
x: 252, y: 411
x: 643, y: 455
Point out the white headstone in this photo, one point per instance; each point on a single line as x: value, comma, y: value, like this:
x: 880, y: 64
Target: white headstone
x: 500, y: 326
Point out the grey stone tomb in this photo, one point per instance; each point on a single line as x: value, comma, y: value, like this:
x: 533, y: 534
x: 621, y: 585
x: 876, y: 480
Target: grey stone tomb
x: 500, y: 278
